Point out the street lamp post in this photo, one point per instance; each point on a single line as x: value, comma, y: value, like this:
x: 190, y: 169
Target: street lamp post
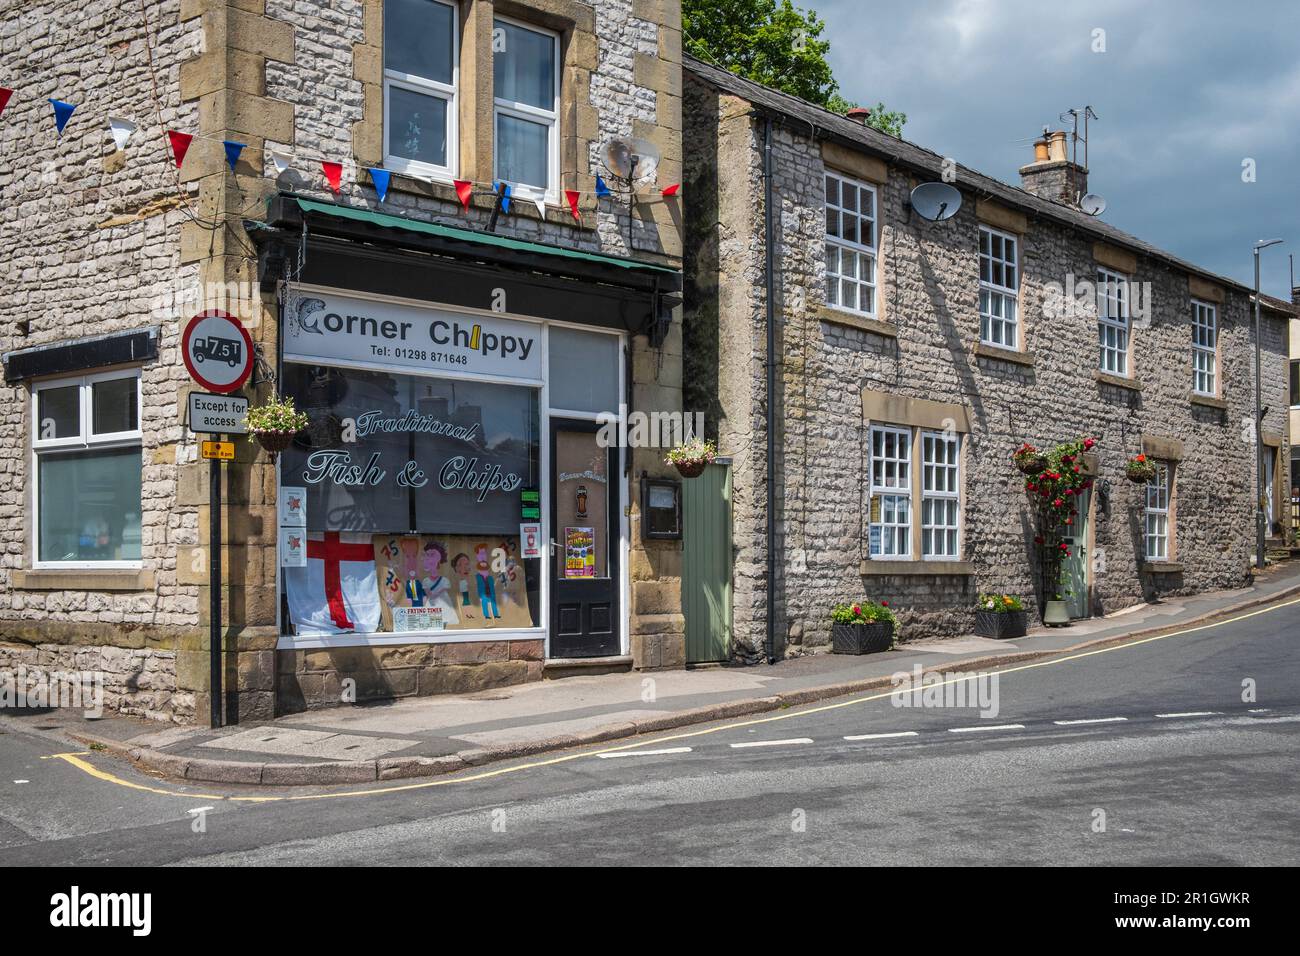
x: 1259, y: 441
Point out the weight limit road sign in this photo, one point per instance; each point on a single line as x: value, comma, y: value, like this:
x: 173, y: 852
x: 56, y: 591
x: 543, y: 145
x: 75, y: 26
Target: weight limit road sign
x: 217, y: 350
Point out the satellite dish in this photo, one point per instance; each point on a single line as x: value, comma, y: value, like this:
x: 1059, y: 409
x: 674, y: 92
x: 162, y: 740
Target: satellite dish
x: 1092, y: 204
x: 635, y: 160
x: 936, y: 201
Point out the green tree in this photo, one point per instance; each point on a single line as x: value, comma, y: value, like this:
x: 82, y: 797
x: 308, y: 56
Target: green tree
x: 776, y: 44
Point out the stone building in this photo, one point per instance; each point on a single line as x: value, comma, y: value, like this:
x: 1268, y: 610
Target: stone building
x: 913, y: 356
x: 524, y: 324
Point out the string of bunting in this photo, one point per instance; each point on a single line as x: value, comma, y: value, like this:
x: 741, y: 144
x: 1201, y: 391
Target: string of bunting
x: 122, y: 130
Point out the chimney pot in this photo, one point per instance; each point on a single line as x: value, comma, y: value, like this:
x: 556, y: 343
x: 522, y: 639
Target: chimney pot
x: 859, y: 113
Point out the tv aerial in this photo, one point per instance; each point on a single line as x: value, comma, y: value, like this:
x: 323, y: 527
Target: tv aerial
x: 635, y: 162
x: 935, y: 201
x: 1092, y: 204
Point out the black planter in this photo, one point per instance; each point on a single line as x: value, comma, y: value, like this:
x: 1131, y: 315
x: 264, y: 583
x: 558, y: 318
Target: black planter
x: 1000, y: 625
x: 862, y: 638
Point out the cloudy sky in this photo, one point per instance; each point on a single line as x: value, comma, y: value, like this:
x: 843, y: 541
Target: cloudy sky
x: 1186, y: 90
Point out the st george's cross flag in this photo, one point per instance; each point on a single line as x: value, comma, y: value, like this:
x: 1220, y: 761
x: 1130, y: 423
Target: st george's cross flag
x: 337, y: 591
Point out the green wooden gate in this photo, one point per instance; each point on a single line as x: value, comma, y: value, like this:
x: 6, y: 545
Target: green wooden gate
x: 706, y: 565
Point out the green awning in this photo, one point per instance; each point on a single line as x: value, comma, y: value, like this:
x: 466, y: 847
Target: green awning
x: 385, y: 221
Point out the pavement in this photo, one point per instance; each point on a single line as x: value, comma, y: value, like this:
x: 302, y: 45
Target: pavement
x: 1178, y: 749
x: 430, y: 736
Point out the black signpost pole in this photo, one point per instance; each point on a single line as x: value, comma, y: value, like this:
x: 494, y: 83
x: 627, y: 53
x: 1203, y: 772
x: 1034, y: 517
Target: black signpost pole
x: 214, y: 587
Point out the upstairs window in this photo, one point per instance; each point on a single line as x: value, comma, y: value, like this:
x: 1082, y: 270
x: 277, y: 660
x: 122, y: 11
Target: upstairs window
x: 1295, y: 383
x: 86, y: 444
x: 1113, y: 321
x: 526, y: 114
x: 850, y: 244
x: 999, y: 282
x: 1205, y: 348
x: 420, y: 81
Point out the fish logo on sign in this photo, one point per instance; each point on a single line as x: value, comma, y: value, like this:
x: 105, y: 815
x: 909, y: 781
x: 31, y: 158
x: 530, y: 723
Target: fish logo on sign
x: 307, y: 318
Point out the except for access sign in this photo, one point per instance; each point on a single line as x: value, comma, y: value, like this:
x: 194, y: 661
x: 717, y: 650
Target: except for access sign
x: 218, y: 351
x: 218, y: 450
x: 218, y: 414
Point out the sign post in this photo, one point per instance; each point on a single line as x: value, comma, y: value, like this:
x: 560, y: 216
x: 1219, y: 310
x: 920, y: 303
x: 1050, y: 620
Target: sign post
x: 218, y: 354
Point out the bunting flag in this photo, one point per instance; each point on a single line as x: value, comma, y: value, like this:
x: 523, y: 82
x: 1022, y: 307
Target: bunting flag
x: 282, y: 160
x: 5, y: 93
x: 380, y: 178
x: 121, y: 129
x: 572, y: 196
x: 333, y: 174
x: 180, y: 145
x: 233, y: 150
x: 62, y: 113
x: 464, y: 189
x: 672, y: 190
x: 503, y: 190
x: 601, y: 188
x: 537, y: 197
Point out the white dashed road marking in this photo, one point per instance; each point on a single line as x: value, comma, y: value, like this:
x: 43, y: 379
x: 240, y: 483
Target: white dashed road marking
x: 973, y: 730
x: 1090, y: 720
x: 645, y: 753
x: 901, y: 733
x: 1192, y: 713
x: 773, y: 743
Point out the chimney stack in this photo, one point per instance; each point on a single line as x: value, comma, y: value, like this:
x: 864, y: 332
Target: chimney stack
x: 858, y: 114
x: 1052, y: 175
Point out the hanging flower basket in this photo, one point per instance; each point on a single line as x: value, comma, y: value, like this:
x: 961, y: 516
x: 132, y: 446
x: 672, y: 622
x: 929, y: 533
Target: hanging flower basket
x: 274, y: 425
x: 1029, y: 460
x: 691, y: 458
x: 1140, y: 471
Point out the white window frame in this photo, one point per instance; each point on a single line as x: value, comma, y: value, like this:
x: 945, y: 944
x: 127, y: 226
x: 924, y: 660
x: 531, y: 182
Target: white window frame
x: 1113, y: 289
x: 899, y: 490
x: 1008, y: 295
x: 84, y: 441
x: 945, y: 497
x: 1205, y: 358
x: 533, y: 114
x: 860, y: 250
x: 434, y: 88
x: 1157, y: 514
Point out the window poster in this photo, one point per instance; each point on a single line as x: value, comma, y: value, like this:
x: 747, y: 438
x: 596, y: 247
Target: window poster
x: 293, y: 547
x: 579, y: 552
x: 530, y: 540
x: 461, y: 582
x: 293, y: 507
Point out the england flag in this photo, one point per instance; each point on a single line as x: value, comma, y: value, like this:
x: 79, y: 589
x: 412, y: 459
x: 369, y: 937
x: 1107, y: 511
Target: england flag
x: 337, y: 592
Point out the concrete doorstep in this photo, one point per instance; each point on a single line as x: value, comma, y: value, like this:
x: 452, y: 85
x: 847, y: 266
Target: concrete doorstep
x: 529, y: 734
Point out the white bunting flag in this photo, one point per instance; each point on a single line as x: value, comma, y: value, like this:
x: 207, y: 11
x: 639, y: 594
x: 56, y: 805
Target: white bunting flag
x: 121, y: 129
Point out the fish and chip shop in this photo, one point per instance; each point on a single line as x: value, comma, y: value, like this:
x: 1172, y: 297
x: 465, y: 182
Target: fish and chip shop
x: 452, y: 517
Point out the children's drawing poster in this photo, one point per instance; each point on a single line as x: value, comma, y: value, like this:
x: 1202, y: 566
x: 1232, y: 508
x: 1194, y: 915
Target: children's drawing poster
x: 472, y: 582
x: 579, y: 552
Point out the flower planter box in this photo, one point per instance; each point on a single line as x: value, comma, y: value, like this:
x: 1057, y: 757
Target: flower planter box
x: 1001, y: 625
x: 862, y: 638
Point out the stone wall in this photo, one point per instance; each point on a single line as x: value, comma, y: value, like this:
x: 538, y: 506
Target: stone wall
x: 924, y: 348
x: 90, y: 246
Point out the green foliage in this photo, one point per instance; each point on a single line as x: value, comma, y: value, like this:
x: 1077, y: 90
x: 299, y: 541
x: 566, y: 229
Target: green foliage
x: 862, y: 612
x: 776, y: 44
x: 277, y: 416
x: 1000, y: 603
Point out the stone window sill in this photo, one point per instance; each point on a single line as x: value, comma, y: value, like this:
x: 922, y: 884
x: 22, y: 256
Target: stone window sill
x: 1163, y: 567
x: 83, y: 580
x: 917, y: 568
x: 984, y: 350
x: 1209, y: 401
x: 484, y: 200
x: 853, y: 321
x: 1118, y: 381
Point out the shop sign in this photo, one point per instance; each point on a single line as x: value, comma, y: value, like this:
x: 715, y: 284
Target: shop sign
x: 330, y: 326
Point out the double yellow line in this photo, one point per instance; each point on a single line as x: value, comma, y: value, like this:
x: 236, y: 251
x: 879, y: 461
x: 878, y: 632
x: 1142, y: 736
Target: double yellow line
x: 75, y: 759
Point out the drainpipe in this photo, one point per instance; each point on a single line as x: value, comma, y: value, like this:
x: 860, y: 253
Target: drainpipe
x: 770, y: 294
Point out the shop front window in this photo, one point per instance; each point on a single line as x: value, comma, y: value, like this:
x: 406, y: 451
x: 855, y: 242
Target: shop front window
x: 410, y: 490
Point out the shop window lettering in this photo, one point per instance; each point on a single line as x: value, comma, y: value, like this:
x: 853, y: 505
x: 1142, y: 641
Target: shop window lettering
x: 458, y: 474
x: 374, y: 422
x: 338, y: 468
x: 411, y: 476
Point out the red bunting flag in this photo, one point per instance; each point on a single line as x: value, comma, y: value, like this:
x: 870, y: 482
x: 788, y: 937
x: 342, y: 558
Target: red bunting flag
x: 464, y: 189
x: 333, y: 174
x: 572, y: 196
x: 180, y: 145
x: 4, y: 97
x: 672, y: 190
